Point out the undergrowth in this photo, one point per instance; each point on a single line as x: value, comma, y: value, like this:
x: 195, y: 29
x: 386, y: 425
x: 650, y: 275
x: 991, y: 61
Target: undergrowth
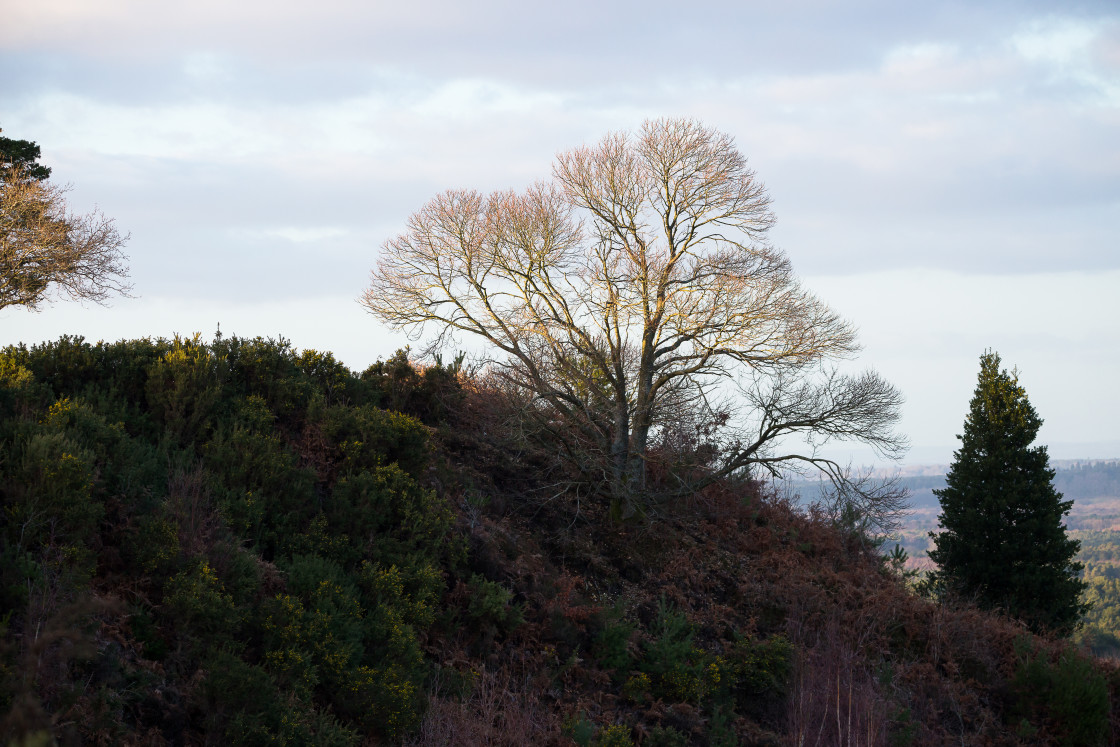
x: 233, y: 542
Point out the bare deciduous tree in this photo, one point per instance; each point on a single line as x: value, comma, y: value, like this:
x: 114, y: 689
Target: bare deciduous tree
x: 629, y: 296
x: 44, y: 248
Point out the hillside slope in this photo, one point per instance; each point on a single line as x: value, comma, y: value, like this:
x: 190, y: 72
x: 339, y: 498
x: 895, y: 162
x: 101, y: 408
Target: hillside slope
x: 234, y: 543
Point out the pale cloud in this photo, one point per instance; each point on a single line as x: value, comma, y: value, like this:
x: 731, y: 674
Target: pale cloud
x: 207, y: 67
x: 1078, y: 52
x: 295, y: 234
x: 1061, y: 42
x: 182, y: 130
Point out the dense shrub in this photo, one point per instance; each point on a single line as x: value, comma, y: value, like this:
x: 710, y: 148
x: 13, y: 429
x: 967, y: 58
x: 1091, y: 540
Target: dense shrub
x: 197, y: 601
x: 368, y: 437
x: 1070, y: 692
x: 426, y: 394
x: 262, y: 515
x: 677, y: 668
x: 182, y: 389
x: 244, y: 706
x: 267, y: 496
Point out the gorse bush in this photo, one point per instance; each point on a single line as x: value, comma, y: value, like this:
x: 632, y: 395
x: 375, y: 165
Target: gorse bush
x: 368, y: 437
x: 760, y: 666
x: 263, y: 512
x: 615, y: 735
x: 426, y: 395
x: 678, y: 669
x: 665, y: 663
x: 182, y: 388
x: 198, y: 601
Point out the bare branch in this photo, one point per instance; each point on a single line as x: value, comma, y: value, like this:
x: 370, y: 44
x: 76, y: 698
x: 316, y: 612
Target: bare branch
x: 45, y: 249
x: 624, y: 293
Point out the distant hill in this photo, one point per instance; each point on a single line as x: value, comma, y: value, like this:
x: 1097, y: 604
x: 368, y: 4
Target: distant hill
x: 1082, y: 480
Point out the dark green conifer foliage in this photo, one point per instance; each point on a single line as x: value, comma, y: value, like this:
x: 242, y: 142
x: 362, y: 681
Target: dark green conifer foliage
x: 23, y: 154
x: 1002, y: 540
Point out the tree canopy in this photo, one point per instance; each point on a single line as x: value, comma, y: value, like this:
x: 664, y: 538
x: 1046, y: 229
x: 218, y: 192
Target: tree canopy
x: 634, y: 300
x: 24, y: 155
x: 45, y: 248
x: 1002, y: 538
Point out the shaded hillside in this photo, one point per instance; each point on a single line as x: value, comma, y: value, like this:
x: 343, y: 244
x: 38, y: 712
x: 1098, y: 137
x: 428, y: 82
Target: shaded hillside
x: 235, y: 543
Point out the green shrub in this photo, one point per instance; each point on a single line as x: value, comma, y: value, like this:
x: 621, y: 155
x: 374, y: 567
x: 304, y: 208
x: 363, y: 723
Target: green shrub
x: 125, y: 465
x: 51, y: 501
x: 491, y: 609
x: 615, y: 735
x: 246, y: 708
x: 320, y: 728
x: 365, y: 661
x: 66, y: 366
x: 78, y: 421
x: 366, y: 438
x: 387, y: 700
x: 199, y: 605
x: 252, y: 413
x: 638, y: 687
x: 580, y: 729
x: 333, y: 620
x: 671, y: 643
x: 269, y: 497
x: 414, y: 592
x: 266, y: 368
x: 19, y: 573
x: 202, y: 463
x: 242, y: 702
x: 612, y: 645
x: 154, y: 547
x: 760, y: 666
x: 1071, y: 691
x: 677, y: 668
x: 665, y: 736
x: 239, y: 569
x: 399, y: 386
x: 320, y: 540
x: 903, y: 728
x: 182, y: 389
x: 288, y: 654
x: 20, y: 393
x: 315, y: 634
x: 331, y: 378
x: 70, y: 366
x: 388, y: 516
x: 146, y: 633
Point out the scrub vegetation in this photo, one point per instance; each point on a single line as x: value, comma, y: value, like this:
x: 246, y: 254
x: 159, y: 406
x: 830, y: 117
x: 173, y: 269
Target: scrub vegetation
x: 234, y: 542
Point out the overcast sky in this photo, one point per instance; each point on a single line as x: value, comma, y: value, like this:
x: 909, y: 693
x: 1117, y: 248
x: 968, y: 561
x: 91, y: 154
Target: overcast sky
x: 945, y: 176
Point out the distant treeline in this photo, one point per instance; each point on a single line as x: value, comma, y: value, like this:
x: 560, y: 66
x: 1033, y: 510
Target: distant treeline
x: 1087, y: 481
x: 1084, y: 482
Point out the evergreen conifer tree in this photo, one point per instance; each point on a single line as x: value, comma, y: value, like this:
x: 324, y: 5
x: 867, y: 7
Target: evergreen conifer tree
x: 1002, y: 540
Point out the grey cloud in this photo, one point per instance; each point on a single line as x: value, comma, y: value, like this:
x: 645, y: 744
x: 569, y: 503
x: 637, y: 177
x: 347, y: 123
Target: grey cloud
x: 975, y: 161
x: 574, y: 43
